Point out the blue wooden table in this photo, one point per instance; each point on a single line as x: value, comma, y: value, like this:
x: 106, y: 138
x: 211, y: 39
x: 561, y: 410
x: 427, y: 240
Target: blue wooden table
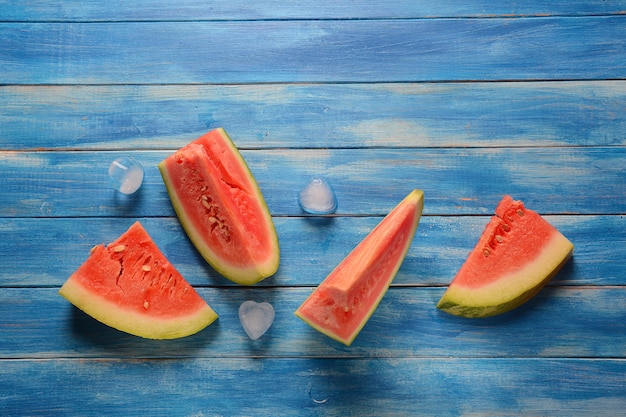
x: 466, y: 102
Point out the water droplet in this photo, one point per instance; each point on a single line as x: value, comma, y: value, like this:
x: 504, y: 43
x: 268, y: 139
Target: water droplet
x: 318, y: 197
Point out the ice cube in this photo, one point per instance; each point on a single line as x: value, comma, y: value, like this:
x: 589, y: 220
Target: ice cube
x: 318, y: 197
x: 256, y: 318
x: 126, y: 175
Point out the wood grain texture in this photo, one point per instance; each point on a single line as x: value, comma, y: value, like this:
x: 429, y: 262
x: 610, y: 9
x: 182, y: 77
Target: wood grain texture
x: 367, y: 182
x: 316, y: 115
x: 313, y: 51
x: 561, y: 322
x: 310, y: 248
x: 249, y: 386
x: 465, y: 101
x: 190, y: 10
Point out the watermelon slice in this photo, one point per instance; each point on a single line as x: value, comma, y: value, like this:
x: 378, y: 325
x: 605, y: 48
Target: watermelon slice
x: 221, y: 208
x: 517, y: 254
x: 344, y: 301
x: 131, y: 286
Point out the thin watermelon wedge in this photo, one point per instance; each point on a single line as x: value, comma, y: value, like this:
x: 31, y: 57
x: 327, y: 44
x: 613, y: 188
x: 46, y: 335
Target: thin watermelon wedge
x: 517, y: 254
x: 221, y: 208
x: 343, y: 303
x: 130, y: 286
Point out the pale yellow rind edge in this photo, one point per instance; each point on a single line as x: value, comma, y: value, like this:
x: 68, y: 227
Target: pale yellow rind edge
x: 130, y: 322
x: 513, y: 285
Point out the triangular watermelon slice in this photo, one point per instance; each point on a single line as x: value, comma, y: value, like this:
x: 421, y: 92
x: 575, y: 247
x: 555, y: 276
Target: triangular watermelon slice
x: 345, y: 300
x: 131, y: 286
x: 517, y: 254
x: 221, y: 208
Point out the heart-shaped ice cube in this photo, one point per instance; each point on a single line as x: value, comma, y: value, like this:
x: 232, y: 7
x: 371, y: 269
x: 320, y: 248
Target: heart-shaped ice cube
x: 256, y: 318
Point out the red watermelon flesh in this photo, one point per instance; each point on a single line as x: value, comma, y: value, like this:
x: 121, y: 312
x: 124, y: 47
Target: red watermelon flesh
x: 342, y: 304
x: 221, y: 208
x: 131, y: 286
x: 517, y: 254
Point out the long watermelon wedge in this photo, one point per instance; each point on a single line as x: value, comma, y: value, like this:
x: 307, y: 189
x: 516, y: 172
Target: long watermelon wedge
x: 131, y: 286
x: 342, y: 304
x: 220, y: 206
x: 517, y: 254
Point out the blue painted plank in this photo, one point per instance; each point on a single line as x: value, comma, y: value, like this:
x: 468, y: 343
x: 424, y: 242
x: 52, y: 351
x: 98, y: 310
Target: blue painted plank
x: 316, y: 115
x: 367, y: 181
x: 159, y: 10
x: 249, y: 386
x: 45, y: 252
x: 313, y: 51
x: 565, y: 322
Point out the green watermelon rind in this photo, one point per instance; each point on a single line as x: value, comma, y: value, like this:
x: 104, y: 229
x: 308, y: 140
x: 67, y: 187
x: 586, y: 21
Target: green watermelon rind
x: 254, y: 273
x: 133, y: 323
x: 416, y: 197
x: 458, y: 305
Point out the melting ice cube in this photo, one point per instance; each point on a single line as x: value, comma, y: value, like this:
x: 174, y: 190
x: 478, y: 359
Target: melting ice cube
x: 318, y: 197
x: 256, y: 318
x: 126, y: 175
